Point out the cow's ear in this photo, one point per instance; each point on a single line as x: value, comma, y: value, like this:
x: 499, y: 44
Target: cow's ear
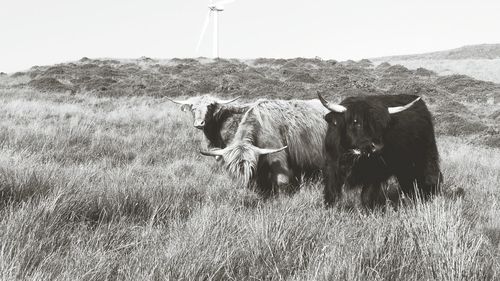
x: 185, y: 107
x: 329, y: 117
x: 215, y: 107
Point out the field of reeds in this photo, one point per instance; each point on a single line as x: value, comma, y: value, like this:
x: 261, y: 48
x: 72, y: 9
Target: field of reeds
x: 106, y: 182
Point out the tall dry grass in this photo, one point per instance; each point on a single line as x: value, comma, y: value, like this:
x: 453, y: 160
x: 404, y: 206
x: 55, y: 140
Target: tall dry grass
x: 95, y: 188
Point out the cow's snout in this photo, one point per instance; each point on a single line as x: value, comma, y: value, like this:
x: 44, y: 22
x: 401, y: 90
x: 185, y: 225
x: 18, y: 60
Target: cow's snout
x: 376, y: 147
x: 370, y: 147
x: 199, y: 124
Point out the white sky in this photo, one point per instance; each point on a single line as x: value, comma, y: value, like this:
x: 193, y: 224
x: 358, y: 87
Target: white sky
x: 41, y: 32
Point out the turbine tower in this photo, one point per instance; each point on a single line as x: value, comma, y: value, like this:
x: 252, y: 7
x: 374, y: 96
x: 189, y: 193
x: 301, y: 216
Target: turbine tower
x: 213, y: 10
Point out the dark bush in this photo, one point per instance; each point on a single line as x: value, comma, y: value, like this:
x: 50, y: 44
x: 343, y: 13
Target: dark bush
x: 48, y: 84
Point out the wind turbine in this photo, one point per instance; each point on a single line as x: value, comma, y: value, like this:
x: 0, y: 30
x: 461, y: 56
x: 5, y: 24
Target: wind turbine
x: 213, y: 10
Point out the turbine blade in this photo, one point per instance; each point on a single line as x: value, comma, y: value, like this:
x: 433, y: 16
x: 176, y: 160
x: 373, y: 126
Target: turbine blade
x: 203, y: 30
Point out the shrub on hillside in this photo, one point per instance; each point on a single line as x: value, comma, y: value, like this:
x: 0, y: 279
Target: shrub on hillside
x: 187, y: 61
x: 96, y: 84
x: 424, y: 72
x: 455, y: 125
x: 302, y: 77
x: 492, y: 141
x: 456, y: 82
x: 48, y: 84
x: 54, y: 70
x: 383, y: 66
x: 269, y: 62
x: 495, y: 115
x: 18, y: 74
x: 467, y: 88
x: 365, y: 63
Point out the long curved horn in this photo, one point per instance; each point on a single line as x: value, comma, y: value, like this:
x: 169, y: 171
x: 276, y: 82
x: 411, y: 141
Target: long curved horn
x: 331, y: 106
x: 177, y: 101
x: 213, y: 152
x: 264, y: 151
x: 397, y: 109
x: 227, y: 101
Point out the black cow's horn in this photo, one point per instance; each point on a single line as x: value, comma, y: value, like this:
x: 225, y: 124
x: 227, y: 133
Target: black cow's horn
x: 331, y: 106
x: 397, y: 109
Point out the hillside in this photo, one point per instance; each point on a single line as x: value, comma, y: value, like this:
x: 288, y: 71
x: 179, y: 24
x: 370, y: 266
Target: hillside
x: 479, y: 61
x: 482, y: 51
x: 454, y: 99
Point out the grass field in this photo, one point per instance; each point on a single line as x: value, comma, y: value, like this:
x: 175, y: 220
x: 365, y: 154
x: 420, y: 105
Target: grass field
x: 113, y: 188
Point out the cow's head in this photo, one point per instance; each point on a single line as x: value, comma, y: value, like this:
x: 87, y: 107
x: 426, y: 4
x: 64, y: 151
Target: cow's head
x: 201, y: 107
x: 241, y: 155
x: 364, y: 123
x: 241, y: 158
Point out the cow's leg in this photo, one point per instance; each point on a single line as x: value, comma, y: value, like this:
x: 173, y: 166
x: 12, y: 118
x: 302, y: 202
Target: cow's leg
x: 263, y: 179
x: 273, y: 173
x: 407, y: 184
x: 334, y: 179
x: 281, y: 174
x: 429, y: 179
x: 372, y: 196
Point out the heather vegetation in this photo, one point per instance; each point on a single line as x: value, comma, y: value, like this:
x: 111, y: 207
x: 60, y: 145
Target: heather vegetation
x: 462, y: 105
x: 101, y: 179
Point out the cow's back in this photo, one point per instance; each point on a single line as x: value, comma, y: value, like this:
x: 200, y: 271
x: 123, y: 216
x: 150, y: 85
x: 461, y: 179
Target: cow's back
x: 297, y: 124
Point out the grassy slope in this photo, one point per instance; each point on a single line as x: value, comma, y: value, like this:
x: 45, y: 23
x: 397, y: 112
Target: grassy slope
x: 481, y: 51
x: 100, y: 187
x: 482, y: 69
x: 479, y: 61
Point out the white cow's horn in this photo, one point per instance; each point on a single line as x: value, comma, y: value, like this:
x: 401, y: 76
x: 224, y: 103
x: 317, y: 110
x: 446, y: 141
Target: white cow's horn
x: 177, y: 101
x: 397, y: 109
x: 332, y: 106
x: 264, y: 151
x: 213, y: 152
x: 227, y: 101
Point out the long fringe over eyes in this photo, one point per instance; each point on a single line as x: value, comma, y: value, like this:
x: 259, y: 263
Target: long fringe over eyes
x: 241, y: 162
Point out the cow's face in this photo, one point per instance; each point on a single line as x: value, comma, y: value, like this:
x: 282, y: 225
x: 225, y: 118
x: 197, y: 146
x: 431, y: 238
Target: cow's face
x: 240, y: 159
x: 364, y: 128
x: 201, y: 107
x: 362, y: 123
x: 199, y: 111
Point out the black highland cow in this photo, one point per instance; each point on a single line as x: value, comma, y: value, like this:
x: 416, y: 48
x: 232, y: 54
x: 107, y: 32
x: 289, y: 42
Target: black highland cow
x: 371, y: 138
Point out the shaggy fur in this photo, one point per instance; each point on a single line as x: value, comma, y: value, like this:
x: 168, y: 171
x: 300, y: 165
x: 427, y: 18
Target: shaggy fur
x: 366, y: 145
x: 274, y: 124
x: 221, y: 123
